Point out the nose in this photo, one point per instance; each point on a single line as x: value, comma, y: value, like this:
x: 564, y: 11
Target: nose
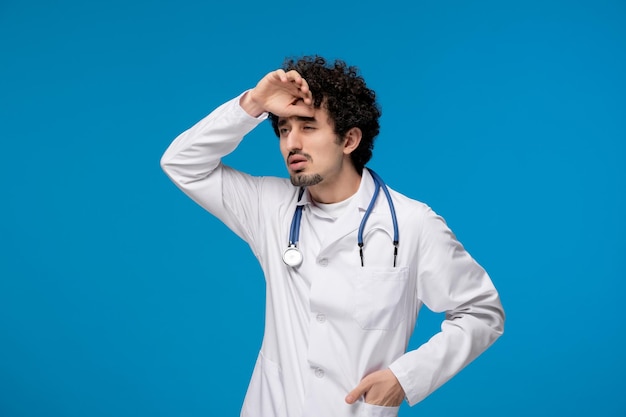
x: 294, y: 140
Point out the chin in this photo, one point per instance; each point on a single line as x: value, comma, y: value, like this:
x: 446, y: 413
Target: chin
x: 299, y: 179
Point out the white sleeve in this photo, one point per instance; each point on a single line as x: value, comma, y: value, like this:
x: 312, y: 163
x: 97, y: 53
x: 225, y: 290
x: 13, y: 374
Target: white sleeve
x: 449, y: 280
x: 193, y: 163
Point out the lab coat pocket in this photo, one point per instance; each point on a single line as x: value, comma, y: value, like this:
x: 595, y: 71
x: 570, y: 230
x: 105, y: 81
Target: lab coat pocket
x: 265, y: 396
x: 371, y: 410
x: 380, y: 297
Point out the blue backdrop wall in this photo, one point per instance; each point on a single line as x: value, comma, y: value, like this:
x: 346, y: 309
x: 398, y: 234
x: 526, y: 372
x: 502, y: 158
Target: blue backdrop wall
x: 120, y: 297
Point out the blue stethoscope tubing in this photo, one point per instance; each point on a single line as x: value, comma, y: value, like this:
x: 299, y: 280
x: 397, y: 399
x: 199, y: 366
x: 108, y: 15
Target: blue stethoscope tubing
x: 292, y: 255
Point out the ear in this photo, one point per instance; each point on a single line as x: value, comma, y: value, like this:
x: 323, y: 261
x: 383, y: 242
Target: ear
x: 352, y: 139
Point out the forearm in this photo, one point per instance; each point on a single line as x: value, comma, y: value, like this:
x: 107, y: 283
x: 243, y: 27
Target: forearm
x: 463, y: 337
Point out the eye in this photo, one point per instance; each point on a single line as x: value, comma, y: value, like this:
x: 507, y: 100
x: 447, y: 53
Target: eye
x: 309, y: 128
x: 283, y: 131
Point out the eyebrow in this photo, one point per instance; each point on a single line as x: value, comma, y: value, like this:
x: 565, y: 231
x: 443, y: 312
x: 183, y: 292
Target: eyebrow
x: 283, y: 121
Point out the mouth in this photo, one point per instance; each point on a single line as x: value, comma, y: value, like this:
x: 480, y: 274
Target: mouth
x: 297, y: 162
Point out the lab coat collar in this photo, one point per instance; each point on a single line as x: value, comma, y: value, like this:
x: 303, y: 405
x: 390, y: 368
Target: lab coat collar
x: 366, y: 191
x: 350, y: 221
x: 362, y: 198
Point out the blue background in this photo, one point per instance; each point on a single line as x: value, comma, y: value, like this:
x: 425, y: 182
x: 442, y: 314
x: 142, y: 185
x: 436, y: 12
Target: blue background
x: 120, y: 297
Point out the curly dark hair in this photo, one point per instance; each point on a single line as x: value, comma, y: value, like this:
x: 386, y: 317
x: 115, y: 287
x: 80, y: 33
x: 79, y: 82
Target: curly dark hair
x: 345, y: 96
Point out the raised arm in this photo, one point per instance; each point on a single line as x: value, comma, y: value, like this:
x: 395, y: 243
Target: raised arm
x: 193, y: 160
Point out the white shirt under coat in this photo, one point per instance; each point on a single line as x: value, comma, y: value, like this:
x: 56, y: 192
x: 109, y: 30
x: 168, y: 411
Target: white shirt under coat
x: 330, y: 322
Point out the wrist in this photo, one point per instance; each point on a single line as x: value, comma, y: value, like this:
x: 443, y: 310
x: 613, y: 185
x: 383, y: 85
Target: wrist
x: 249, y: 105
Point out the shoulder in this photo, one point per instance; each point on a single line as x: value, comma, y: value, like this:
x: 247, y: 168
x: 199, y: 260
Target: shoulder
x: 416, y: 215
x: 407, y: 206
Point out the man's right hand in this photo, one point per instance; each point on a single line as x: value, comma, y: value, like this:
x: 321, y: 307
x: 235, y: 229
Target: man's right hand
x: 284, y: 94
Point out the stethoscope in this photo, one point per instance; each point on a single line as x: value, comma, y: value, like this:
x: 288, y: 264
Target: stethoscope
x: 292, y: 255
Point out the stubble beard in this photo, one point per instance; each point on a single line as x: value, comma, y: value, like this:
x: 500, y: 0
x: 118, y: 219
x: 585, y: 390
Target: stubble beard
x: 304, y: 180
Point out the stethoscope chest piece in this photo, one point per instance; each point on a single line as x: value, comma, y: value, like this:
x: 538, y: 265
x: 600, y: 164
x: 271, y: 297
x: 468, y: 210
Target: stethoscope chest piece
x: 292, y: 256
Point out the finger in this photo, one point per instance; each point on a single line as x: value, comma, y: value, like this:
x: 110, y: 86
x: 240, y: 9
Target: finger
x: 357, y: 392
x: 278, y: 75
x: 307, y: 96
x: 282, y: 76
x: 294, y: 76
x: 299, y: 82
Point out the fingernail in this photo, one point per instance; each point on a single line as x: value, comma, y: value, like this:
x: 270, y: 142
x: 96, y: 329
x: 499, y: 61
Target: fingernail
x: 349, y: 399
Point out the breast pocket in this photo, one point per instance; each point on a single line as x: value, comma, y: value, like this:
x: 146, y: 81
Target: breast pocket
x: 380, y: 297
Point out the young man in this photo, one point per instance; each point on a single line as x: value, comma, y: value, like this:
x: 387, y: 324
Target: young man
x: 348, y: 263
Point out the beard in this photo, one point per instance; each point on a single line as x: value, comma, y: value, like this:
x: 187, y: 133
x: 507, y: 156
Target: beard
x: 304, y: 180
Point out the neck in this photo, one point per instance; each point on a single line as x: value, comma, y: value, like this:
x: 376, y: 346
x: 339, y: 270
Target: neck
x: 342, y: 187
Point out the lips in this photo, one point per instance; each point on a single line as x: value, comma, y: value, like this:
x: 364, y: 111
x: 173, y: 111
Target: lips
x: 297, y: 162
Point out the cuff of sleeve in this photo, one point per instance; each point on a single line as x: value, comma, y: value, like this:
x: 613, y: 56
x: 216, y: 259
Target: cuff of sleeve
x: 405, y: 381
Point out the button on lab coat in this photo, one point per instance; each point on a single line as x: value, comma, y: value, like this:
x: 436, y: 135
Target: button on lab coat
x: 330, y: 322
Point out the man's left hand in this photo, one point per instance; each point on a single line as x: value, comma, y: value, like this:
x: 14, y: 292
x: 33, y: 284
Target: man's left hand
x: 378, y: 388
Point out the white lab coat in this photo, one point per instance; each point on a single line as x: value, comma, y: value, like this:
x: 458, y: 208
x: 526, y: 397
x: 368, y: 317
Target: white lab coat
x: 330, y: 322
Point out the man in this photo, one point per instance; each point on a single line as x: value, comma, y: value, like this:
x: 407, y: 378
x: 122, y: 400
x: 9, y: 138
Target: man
x: 342, y: 301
